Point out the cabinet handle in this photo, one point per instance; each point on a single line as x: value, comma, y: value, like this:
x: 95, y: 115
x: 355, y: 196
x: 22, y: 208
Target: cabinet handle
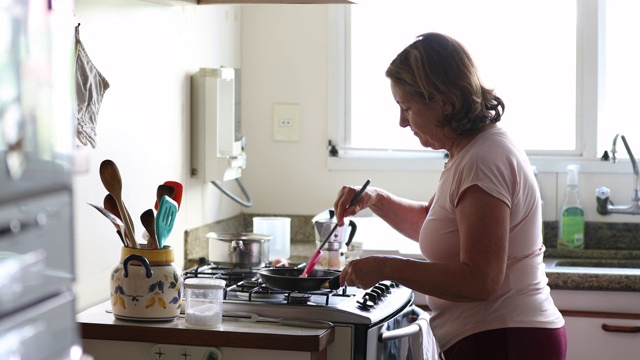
x: 621, y: 329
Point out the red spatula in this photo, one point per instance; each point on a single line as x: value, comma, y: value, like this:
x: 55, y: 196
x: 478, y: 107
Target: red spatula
x: 175, y: 196
x: 313, y: 261
x: 177, y: 193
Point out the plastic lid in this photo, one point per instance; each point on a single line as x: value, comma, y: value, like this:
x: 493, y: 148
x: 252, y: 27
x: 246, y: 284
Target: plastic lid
x: 204, y: 283
x: 572, y: 174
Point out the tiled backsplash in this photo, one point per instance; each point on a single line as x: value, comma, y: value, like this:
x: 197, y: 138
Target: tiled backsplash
x: 600, y: 235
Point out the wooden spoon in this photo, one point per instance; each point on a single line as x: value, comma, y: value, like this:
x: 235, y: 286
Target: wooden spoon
x: 163, y: 190
x: 109, y: 203
x: 149, y: 222
x: 110, y: 176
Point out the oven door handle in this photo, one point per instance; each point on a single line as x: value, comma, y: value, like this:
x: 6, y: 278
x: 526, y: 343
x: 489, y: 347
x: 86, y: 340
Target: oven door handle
x: 388, y: 335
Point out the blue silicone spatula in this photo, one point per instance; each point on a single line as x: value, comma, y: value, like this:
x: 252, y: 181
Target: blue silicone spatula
x: 165, y: 218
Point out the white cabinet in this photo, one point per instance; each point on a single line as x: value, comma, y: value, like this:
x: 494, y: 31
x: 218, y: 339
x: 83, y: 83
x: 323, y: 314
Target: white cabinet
x: 585, y: 312
x: 619, y: 340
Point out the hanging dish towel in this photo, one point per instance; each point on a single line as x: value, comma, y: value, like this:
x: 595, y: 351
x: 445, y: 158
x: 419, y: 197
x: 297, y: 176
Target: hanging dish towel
x: 90, y: 88
x: 422, y: 345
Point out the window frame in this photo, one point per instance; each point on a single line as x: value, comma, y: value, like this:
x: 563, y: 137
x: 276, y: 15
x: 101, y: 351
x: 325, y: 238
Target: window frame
x: 589, y: 96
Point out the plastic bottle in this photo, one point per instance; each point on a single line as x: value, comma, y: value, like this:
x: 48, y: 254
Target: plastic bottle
x: 571, y: 232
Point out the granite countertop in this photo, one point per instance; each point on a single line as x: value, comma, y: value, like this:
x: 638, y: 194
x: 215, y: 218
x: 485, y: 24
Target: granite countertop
x: 606, y: 276
x: 564, y: 278
x: 613, y: 241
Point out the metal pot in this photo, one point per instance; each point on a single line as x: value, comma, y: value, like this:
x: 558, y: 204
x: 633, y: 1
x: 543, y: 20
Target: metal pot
x: 239, y: 249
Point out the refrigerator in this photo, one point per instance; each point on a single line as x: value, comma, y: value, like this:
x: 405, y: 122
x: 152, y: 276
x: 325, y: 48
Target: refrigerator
x: 37, y: 300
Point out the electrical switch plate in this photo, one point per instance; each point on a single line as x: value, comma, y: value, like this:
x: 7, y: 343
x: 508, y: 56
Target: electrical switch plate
x: 286, y: 122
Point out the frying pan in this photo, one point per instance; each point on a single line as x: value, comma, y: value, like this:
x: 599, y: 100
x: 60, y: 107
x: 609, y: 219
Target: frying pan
x: 289, y: 279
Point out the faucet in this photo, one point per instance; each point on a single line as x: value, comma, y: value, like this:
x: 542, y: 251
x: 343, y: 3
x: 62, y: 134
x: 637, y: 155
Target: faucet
x: 605, y: 206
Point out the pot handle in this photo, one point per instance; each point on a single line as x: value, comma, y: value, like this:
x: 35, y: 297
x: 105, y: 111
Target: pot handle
x: 352, y: 232
x: 237, y: 245
x: 139, y: 258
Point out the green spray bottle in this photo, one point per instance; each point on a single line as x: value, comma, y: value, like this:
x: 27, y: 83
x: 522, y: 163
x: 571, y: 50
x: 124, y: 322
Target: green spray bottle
x: 571, y: 232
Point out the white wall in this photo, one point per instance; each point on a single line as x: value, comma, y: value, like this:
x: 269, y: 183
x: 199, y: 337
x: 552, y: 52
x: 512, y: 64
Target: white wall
x: 146, y: 51
x: 284, y: 60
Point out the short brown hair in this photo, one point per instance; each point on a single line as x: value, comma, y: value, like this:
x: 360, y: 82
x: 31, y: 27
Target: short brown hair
x: 436, y: 65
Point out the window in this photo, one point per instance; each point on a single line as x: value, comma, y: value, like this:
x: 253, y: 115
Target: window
x: 621, y: 75
x: 545, y: 58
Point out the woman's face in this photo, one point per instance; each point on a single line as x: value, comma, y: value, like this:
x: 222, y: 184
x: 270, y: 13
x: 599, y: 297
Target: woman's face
x: 422, y: 117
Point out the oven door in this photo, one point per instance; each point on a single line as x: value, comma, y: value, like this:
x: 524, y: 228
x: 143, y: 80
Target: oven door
x: 402, y: 337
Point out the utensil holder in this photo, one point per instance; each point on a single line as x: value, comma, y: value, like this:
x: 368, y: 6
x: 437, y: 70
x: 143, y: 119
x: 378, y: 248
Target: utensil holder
x: 146, y: 286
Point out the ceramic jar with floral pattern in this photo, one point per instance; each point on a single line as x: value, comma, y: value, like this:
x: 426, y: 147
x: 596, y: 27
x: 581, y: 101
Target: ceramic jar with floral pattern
x: 146, y: 285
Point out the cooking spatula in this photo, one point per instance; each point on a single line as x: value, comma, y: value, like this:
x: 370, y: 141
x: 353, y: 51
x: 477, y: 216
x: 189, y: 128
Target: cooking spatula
x: 115, y: 220
x: 148, y: 221
x: 162, y: 191
x: 177, y: 193
x: 165, y: 218
x: 313, y: 261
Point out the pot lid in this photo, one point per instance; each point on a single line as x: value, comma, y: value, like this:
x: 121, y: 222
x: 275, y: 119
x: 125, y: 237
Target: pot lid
x: 204, y: 283
x: 238, y: 236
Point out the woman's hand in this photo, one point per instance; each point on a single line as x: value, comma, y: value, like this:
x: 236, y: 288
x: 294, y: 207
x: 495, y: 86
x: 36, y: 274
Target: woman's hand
x: 345, y: 195
x: 363, y: 273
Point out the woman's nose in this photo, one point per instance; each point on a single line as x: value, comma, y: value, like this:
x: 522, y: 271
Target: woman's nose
x: 404, y: 122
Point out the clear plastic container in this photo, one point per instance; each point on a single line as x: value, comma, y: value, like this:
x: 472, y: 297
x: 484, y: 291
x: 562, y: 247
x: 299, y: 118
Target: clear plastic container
x: 280, y: 229
x: 203, y: 302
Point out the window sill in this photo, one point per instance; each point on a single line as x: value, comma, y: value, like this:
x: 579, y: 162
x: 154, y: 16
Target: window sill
x: 355, y: 160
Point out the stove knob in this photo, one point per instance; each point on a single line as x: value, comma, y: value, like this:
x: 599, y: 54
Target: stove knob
x: 365, y: 303
x: 371, y: 296
x: 386, y: 286
x: 382, y: 289
x: 379, y: 294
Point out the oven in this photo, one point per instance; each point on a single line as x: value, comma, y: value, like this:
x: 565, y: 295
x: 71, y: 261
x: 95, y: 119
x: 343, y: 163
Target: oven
x: 369, y: 324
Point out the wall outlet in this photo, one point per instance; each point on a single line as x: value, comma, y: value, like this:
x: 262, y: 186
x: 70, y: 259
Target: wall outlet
x: 286, y: 122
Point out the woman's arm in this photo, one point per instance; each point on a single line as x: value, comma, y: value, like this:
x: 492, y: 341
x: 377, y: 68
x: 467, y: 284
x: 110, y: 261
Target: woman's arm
x: 483, y: 222
x: 405, y: 216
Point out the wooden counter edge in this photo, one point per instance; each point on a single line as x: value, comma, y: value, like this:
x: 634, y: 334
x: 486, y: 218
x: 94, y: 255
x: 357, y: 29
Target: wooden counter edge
x: 199, y: 337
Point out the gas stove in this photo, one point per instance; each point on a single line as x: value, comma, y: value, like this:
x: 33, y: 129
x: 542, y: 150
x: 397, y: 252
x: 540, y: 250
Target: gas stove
x: 245, y: 292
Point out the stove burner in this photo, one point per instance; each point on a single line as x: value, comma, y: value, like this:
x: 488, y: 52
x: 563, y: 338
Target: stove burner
x: 297, y: 298
x: 246, y: 286
x: 231, y: 275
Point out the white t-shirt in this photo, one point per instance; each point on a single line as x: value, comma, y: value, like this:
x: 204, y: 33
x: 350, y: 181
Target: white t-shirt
x: 493, y: 162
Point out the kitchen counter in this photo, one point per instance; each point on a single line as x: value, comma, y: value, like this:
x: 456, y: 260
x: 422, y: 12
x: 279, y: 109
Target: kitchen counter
x: 97, y: 323
x: 592, y: 278
x: 566, y: 278
x: 379, y: 238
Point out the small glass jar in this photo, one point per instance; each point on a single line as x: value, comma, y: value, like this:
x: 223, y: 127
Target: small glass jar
x: 203, y: 302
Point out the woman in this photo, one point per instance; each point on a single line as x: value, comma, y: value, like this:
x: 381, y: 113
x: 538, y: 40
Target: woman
x: 480, y: 232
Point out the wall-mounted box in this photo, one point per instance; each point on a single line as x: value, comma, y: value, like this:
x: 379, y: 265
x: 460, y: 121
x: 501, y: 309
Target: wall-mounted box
x: 217, y: 152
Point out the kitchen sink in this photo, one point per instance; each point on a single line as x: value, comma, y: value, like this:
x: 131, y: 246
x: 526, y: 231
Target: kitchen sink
x: 628, y: 266
x: 600, y: 263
